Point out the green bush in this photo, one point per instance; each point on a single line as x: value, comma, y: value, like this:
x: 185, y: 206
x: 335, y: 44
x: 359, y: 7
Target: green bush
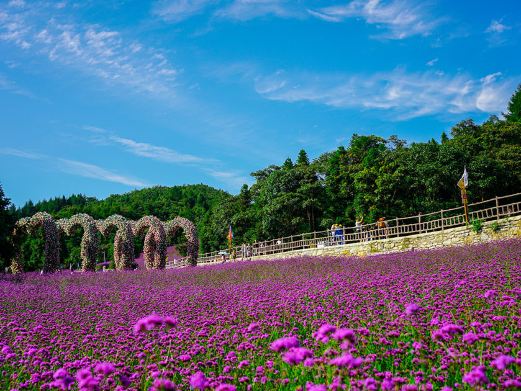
x: 495, y: 227
x: 477, y: 225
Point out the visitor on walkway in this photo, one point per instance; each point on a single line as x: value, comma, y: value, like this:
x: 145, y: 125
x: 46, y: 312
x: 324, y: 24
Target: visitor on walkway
x: 358, y: 226
x: 339, y: 234
x: 382, y: 227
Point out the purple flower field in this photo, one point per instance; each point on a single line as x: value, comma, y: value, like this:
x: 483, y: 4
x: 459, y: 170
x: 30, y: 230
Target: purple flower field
x: 444, y: 319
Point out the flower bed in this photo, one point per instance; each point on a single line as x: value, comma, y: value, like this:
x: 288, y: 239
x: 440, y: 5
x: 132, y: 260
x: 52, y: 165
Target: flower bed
x: 417, y: 320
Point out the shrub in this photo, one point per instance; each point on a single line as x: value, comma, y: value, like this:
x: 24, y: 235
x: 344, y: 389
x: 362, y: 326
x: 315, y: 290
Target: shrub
x: 476, y: 225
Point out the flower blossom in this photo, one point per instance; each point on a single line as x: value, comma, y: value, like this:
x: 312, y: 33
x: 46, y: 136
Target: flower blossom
x: 296, y: 355
x: 502, y: 362
x: 284, y: 344
x: 346, y: 360
x: 476, y: 376
x: 199, y: 381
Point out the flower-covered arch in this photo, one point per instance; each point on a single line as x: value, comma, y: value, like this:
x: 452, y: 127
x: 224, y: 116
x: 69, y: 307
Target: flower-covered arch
x: 89, y: 240
x: 123, y: 241
x: 190, y: 231
x: 51, y: 236
x: 154, y: 249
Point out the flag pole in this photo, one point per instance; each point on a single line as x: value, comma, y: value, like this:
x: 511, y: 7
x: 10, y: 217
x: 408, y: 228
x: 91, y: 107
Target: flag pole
x: 465, y: 201
x: 462, y: 184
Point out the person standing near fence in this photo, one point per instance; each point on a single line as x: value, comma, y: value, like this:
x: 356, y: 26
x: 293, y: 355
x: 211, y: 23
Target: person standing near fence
x: 358, y: 226
x: 382, y: 227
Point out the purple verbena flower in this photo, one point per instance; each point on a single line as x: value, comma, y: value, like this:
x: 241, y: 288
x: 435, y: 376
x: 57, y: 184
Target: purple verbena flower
x: 502, y: 362
x: 284, y: 344
x: 198, y: 381
x: 476, y: 376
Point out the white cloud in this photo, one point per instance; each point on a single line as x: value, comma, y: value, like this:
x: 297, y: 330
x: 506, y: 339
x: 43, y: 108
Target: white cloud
x: 401, y: 18
x: 155, y: 152
x: 22, y: 154
x: 231, y: 178
x: 243, y: 10
x: 75, y: 167
x: 404, y: 95
x: 432, y: 62
x: 11, y: 86
x: 96, y: 172
x: 497, y: 27
x: 179, y: 10
x: 91, y: 49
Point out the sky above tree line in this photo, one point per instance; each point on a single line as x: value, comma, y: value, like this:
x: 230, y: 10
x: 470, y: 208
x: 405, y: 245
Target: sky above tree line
x: 102, y: 97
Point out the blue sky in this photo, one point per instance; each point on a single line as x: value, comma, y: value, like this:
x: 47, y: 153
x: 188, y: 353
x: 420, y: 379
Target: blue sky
x: 102, y: 97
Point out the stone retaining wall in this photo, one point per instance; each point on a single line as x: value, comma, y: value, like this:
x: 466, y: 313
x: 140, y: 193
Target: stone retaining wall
x: 492, y: 230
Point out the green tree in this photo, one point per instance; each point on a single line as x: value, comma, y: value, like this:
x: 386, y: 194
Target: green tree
x: 514, y: 106
x: 6, y: 227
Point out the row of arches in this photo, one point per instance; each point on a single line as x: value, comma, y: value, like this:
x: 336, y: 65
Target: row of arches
x: 155, y: 243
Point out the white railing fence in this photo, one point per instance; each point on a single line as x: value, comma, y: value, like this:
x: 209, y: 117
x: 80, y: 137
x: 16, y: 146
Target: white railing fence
x: 492, y: 209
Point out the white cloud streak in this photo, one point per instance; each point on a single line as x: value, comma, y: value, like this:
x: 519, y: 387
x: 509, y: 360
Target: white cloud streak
x: 104, y: 137
x: 75, y: 167
x: 22, y: 154
x: 243, y: 10
x: 401, y: 18
x: 231, y: 178
x: 179, y: 10
x: 96, y: 172
x: 404, y: 95
x: 497, y: 27
x: 155, y: 152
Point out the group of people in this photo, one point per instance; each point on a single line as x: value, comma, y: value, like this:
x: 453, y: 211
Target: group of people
x: 362, y: 232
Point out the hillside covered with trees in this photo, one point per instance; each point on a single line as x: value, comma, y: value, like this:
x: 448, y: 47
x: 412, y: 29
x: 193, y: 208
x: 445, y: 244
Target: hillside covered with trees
x: 371, y: 176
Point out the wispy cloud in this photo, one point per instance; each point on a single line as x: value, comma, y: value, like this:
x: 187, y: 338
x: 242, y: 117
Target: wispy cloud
x: 243, y: 10
x: 14, y: 88
x: 105, y: 137
x: 231, y: 178
x: 75, y: 167
x: 496, y: 33
x: 400, y: 18
x: 432, y: 62
x: 212, y: 167
x: 179, y: 10
x: 496, y: 26
x: 21, y: 153
x: 109, y: 55
x: 404, y: 95
x: 96, y: 172
x: 155, y: 152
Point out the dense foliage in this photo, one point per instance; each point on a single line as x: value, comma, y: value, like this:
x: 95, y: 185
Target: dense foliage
x: 420, y: 320
x: 369, y: 177
x: 7, y: 221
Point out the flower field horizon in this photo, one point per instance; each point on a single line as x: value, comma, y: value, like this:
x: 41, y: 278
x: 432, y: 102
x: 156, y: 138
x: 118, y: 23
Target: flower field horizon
x: 419, y: 320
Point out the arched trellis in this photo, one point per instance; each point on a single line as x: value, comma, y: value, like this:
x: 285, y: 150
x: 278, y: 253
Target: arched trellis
x: 154, y: 249
x: 51, y: 237
x: 190, y: 231
x: 123, y: 241
x: 89, y: 240
x: 155, y: 239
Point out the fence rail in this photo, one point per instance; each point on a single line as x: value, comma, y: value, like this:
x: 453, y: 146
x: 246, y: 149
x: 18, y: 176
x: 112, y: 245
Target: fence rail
x: 492, y: 209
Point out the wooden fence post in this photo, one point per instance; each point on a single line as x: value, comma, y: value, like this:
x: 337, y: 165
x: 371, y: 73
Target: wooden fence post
x: 442, y: 222
x: 397, y: 228
x: 497, y: 209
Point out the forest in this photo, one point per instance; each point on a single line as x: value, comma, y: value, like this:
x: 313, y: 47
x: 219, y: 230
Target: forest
x: 370, y: 176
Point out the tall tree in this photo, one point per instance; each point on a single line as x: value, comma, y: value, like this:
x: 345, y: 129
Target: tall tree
x: 6, y: 227
x: 514, y: 107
